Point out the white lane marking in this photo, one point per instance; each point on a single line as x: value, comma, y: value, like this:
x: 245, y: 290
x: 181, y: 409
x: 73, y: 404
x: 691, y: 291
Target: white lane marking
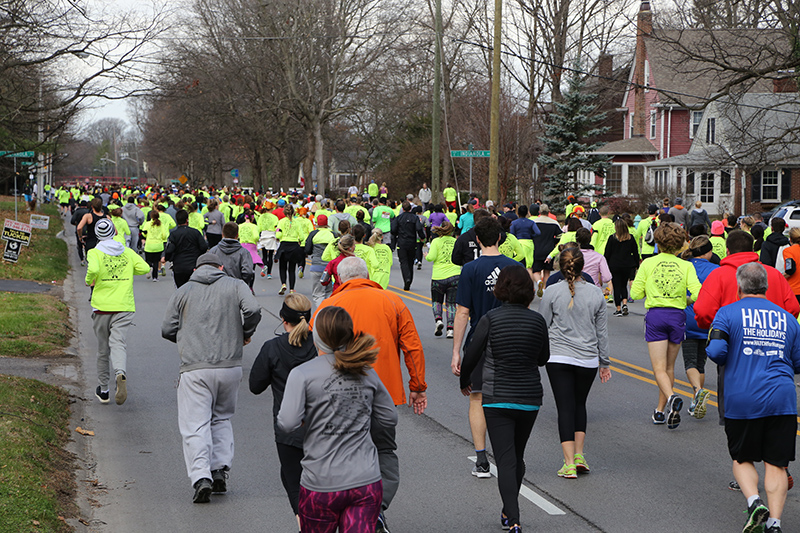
x: 528, y: 494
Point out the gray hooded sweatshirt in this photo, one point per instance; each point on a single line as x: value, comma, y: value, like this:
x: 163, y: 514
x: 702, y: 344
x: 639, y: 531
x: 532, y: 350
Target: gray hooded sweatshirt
x: 209, y: 317
x: 236, y: 261
x: 132, y: 215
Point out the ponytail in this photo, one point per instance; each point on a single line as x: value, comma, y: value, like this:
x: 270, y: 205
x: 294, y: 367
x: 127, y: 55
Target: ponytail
x: 571, y: 264
x: 357, y: 356
x: 354, y: 353
x: 295, y: 311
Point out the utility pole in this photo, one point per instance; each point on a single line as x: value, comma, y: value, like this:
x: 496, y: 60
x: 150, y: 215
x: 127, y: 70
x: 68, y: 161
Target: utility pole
x: 494, y: 137
x: 437, y: 104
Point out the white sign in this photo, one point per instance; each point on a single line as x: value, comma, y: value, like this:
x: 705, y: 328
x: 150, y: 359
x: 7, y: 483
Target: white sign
x: 40, y: 221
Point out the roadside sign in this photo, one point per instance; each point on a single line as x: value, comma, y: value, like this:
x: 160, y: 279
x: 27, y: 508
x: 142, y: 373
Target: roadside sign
x: 235, y: 180
x: 25, y: 155
x: 183, y: 179
x: 17, y: 232
x: 27, y: 163
x: 235, y: 172
x: 11, y: 252
x: 40, y: 221
x: 470, y: 153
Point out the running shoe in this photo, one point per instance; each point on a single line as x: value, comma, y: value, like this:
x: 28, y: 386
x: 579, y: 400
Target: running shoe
x: 101, y: 395
x: 439, y: 328
x: 659, y: 417
x: 269, y: 276
x: 734, y: 486
x: 616, y: 313
x: 282, y: 291
x: 300, y: 273
x: 219, y: 480
x: 291, y: 291
x: 580, y: 464
x: 757, y: 515
x: 540, y: 290
x: 449, y: 333
x: 419, y: 266
x: 568, y: 472
x: 148, y: 275
x: 700, y: 400
x: 163, y: 270
x: 202, y: 491
x: 481, y: 471
x: 673, y: 409
x: 263, y: 272
x: 624, y: 310
x: 773, y: 529
x: 122, y: 389
x: 83, y: 263
x: 504, y: 524
x: 155, y: 280
x: 381, y: 526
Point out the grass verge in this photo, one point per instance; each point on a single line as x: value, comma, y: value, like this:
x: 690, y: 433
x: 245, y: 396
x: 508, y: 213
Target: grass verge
x: 45, y: 259
x: 33, y: 325
x: 36, y: 479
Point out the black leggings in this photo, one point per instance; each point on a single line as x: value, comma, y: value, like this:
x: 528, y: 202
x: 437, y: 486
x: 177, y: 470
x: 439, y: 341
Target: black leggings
x: 289, y: 254
x: 268, y: 256
x: 620, y: 278
x: 213, y: 239
x: 154, y: 260
x: 571, y: 385
x: 509, y: 430
x: 290, y: 457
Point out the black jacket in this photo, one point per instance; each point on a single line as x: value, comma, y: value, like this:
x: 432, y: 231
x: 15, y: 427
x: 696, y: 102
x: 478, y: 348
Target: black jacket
x: 515, y: 343
x: 620, y: 255
x: 466, y: 247
x: 543, y: 244
x: 770, y: 247
x: 406, y: 227
x: 272, y: 366
x: 184, y: 246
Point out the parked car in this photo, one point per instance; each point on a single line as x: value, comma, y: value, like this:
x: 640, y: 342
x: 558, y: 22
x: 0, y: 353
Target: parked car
x: 789, y: 213
x: 767, y: 215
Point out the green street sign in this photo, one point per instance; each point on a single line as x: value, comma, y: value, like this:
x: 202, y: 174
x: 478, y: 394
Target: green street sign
x: 470, y: 153
x: 18, y: 154
x: 27, y: 163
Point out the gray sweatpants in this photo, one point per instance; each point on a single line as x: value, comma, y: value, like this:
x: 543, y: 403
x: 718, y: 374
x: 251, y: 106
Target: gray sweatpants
x: 319, y: 291
x: 111, y: 331
x: 206, y: 403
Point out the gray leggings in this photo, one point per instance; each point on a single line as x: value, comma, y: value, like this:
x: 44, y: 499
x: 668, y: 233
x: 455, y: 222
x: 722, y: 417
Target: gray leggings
x: 443, y: 298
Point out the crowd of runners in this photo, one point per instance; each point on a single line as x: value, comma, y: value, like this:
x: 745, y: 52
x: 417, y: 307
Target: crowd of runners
x: 726, y: 290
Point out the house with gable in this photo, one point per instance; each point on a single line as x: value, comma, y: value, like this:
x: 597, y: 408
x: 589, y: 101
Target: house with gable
x: 683, y: 135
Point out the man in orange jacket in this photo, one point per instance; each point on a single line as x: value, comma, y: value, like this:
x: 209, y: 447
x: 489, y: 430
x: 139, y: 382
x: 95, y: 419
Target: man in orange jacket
x: 383, y: 315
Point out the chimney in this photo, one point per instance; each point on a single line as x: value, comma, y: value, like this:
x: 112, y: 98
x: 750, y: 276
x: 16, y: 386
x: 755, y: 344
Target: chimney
x: 784, y: 83
x: 644, y: 27
x: 605, y: 66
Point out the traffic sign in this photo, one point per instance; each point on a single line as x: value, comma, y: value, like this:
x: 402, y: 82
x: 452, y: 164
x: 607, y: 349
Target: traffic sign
x: 18, y: 154
x: 470, y: 153
x: 183, y: 179
x: 27, y: 163
x: 235, y: 172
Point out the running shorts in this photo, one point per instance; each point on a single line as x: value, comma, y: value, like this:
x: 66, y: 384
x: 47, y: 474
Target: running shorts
x: 665, y: 324
x: 770, y: 439
x: 694, y: 354
x: 538, y: 266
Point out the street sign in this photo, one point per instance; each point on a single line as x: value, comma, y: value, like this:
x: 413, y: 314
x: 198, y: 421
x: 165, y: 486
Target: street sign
x: 235, y: 180
x: 17, y: 232
x: 11, y: 251
x: 235, y: 172
x: 183, y: 179
x: 25, y: 155
x: 470, y: 153
x: 40, y: 221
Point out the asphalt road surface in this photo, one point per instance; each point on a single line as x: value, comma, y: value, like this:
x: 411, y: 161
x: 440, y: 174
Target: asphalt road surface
x: 643, y: 478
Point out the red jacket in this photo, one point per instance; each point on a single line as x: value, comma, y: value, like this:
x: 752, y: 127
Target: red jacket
x: 720, y: 289
x: 383, y: 315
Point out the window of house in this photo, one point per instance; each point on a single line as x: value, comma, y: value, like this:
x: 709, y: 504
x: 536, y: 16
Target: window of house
x: 660, y: 180
x: 635, y: 179
x: 770, y: 185
x: 711, y: 131
x: 630, y: 126
x: 652, y: 124
x: 690, y: 181
x: 724, y: 182
x: 614, y: 180
x: 707, y: 187
x: 646, y: 75
x: 697, y: 117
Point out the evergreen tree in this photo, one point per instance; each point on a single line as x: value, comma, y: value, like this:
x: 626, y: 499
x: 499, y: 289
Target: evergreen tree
x: 566, y: 151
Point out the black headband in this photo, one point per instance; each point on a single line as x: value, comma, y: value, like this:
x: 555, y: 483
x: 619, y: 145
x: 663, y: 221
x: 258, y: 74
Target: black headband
x: 703, y: 250
x: 293, y: 316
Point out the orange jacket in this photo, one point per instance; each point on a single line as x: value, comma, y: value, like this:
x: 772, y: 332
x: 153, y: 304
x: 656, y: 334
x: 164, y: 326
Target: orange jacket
x: 383, y: 315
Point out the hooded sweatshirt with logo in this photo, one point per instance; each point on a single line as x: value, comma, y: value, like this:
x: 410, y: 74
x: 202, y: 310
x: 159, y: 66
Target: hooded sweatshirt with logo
x: 111, y: 267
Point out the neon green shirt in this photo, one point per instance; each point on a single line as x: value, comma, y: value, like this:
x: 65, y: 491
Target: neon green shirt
x: 383, y: 265
x: 291, y: 230
x: 441, y: 255
x: 248, y: 233
x: 664, y: 280
x: 718, y: 246
x: 383, y: 215
x: 641, y: 230
x: 155, y: 236
x: 603, y: 229
x: 449, y: 194
x: 368, y: 255
x: 113, y: 279
x: 267, y: 222
x: 452, y: 217
x: 373, y: 190
x: 565, y: 238
x: 512, y: 249
x: 122, y: 229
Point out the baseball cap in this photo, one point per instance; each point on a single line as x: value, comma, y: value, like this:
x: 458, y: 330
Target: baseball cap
x: 322, y: 220
x: 652, y: 209
x: 281, y: 202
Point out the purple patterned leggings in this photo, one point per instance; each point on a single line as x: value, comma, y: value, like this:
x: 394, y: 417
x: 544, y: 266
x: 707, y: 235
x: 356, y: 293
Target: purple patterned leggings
x: 352, y: 511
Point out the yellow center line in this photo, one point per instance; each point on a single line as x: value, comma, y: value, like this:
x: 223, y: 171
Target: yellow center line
x: 650, y: 371
x: 398, y: 289
x: 408, y: 295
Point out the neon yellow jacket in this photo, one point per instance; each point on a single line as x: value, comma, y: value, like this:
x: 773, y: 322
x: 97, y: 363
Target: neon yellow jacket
x: 664, y: 280
x: 112, y: 277
x: 291, y: 230
x: 603, y: 229
x: 155, y: 236
x: 248, y: 233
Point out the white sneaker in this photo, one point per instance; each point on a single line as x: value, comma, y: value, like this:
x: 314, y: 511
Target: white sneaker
x: 449, y: 334
x: 439, y: 328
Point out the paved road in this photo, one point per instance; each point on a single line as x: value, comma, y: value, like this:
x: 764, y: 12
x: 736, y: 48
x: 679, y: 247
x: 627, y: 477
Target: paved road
x: 644, y: 477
